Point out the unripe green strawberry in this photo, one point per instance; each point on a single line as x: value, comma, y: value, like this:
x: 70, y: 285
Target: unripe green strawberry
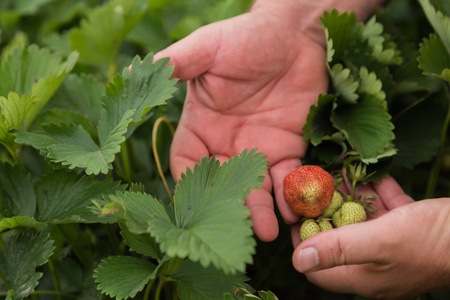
x: 308, y: 229
x: 335, y: 205
x: 308, y: 190
x: 324, y: 225
x: 350, y: 213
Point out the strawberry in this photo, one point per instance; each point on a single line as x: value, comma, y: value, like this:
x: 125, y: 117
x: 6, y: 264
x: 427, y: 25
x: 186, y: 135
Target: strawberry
x: 336, y: 203
x: 324, y: 225
x: 350, y: 213
x: 308, y: 229
x: 311, y: 227
x: 308, y: 190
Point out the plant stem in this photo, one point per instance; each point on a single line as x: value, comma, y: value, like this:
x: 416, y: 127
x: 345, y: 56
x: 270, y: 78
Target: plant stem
x: 55, y: 278
x: 125, y: 154
x: 155, y: 150
x: 148, y: 289
x: 162, y: 281
x: 112, y: 68
x: 434, y: 176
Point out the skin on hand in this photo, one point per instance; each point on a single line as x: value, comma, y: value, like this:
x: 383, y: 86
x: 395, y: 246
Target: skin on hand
x: 251, y: 81
x: 401, y: 253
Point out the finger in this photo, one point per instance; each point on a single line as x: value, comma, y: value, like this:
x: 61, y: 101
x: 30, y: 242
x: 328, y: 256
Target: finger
x: 278, y: 172
x: 262, y: 214
x: 391, y: 193
x: 352, y: 244
x: 194, y: 54
x: 344, y: 279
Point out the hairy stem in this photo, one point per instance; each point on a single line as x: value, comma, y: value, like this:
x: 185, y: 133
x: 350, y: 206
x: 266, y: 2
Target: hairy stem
x: 162, y: 281
x: 148, y: 289
x: 125, y: 154
x: 155, y: 151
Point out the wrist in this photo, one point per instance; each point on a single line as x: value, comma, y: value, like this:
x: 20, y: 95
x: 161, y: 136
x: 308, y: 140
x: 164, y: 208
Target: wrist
x: 305, y: 15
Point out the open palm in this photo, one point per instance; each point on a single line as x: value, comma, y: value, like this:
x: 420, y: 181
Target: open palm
x: 251, y: 82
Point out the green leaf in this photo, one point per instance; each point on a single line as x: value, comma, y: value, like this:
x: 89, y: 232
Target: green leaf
x: 415, y: 142
x: 383, y: 50
x: 344, y: 83
x: 20, y: 222
x: 434, y: 59
x: 389, y: 151
x: 373, y: 31
x: 72, y: 145
x: 58, y: 116
x: 34, y: 71
x: 136, y: 209
x: 318, y: 123
x: 64, y: 196
x: 25, y: 252
x: 442, y: 5
x: 146, y: 86
x: 169, y: 266
x: 370, y: 84
x: 17, y: 193
x: 140, y: 243
x: 123, y: 277
x: 439, y: 21
x: 357, y: 60
x: 330, y: 49
x: 196, y: 282
x: 127, y: 101
x: 58, y: 197
x: 14, y: 111
x: 408, y: 76
x: 340, y: 28
x: 80, y: 93
x: 366, y: 125
x: 212, y: 225
x: 81, y: 151
x: 100, y: 35
x: 26, y: 7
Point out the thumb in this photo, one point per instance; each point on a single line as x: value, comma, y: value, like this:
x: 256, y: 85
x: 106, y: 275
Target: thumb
x: 348, y: 245
x: 194, y: 54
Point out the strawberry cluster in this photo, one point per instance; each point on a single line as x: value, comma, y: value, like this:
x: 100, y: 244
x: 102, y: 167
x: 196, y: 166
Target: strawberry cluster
x: 310, y: 192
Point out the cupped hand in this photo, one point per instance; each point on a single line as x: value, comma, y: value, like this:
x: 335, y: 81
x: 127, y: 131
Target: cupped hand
x: 401, y: 253
x: 251, y: 81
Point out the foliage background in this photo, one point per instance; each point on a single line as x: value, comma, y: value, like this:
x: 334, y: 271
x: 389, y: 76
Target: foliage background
x: 162, y: 22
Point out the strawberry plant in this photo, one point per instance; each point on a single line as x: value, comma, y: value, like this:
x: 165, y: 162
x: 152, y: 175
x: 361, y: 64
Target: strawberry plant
x: 378, y: 96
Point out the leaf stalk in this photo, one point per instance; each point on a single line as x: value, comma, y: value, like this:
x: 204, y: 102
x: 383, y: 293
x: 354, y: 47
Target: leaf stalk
x: 162, y: 281
x: 148, y: 289
x: 155, y: 151
x: 55, y: 278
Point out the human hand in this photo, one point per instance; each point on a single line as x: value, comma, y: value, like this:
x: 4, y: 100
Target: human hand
x: 401, y: 253
x: 252, y: 80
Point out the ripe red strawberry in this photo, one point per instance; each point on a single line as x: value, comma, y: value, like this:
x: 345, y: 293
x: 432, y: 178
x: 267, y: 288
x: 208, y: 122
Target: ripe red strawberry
x: 308, y: 190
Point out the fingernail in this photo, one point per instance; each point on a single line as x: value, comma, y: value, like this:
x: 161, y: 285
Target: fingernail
x: 307, y: 260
